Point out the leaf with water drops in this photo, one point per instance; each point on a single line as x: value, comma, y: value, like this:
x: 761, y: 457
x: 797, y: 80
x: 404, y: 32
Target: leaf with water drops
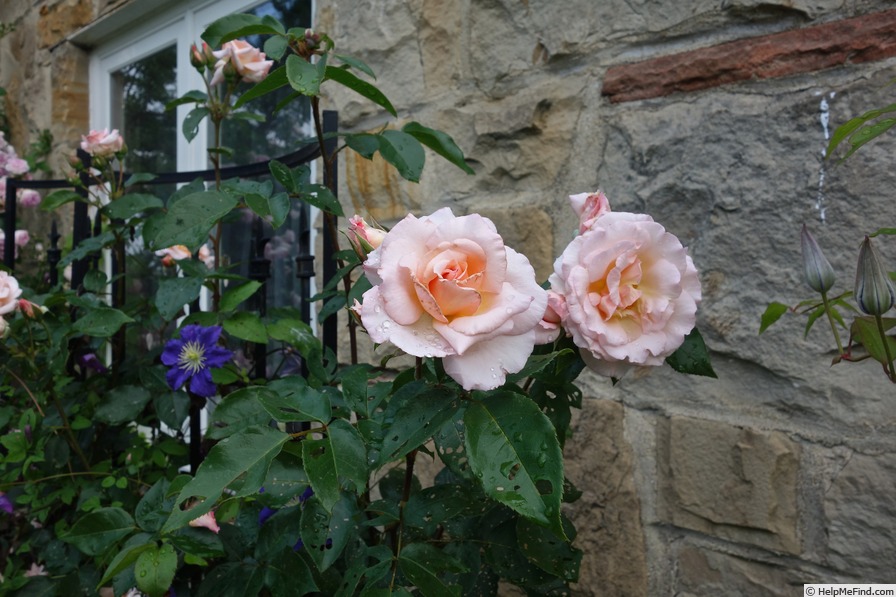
x: 325, y: 535
x: 404, y: 152
x: 155, y: 570
x: 345, y: 77
x: 547, y: 551
x: 340, y: 455
x: 515, y: 454
x: 692, y: 356
x: 423, y: 564
x: 414, y: 414
x: 96, y: 532
x: 302, y: 75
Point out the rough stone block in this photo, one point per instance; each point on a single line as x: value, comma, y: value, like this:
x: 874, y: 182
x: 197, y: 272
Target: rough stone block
x: 599, y: 461
x: 734, y: 483
x: 705, y: 573
x: 859, y: 512
x: 59, y: 19
x: 527, y: 230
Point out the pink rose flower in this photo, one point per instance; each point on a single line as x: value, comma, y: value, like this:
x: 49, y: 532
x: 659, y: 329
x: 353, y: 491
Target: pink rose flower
x: 247, y: 60
x: 9, y: 293
x: 29, y: 198
x: 20, y: 239
x: 207, y: 521
x: 17, y: 166
x: 551, y: 323
x: 446, y: 286
x: 631, y: 293
x: 172, y: 254
x: 589, y: 207
x: 206, y: 257
x: 102, y: 144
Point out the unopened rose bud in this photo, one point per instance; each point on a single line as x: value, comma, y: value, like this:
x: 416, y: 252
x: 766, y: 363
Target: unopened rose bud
x: 197, y: 59
x: 874, y: 291
x: 819, y: 273
x: 312, y: 39
x: 363, y: 238
x: 589, y: 207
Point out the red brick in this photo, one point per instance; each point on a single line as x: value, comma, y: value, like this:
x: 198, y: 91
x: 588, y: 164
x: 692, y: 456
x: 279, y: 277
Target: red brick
x: 859, y: 39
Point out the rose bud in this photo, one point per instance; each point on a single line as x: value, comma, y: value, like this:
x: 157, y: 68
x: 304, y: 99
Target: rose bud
x: 197, y: 59
x: 362, y: 237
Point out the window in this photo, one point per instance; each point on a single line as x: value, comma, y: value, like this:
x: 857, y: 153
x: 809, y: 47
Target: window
x: 144, y: 63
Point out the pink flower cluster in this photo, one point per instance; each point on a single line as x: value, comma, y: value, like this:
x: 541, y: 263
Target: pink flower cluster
x: 624, y: 289
x: 103, y: 144
x: 11, y: 165
x: 22, y: 237
x: 244, y: 59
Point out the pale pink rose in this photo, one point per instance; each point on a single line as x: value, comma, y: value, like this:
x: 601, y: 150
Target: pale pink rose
x: 206, y: 257
x: 446, y: 286
x: 589, y: 207
x: 29, y: 198
x: 631, y: 292
x: 35, y: 570
x: 363, y: 237
x: 247, y: 60
x: 17, y: 166
x: 207, y: 521
x: 102, y: 144
x: 9, y: 293
x: 172, y: 254
x: 21, y: 238
x: 551, y: 323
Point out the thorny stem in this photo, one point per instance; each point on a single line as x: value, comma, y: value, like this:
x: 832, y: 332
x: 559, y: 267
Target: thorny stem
x: 827, y: 311
x: 330, y: 219
x: 398, y: 531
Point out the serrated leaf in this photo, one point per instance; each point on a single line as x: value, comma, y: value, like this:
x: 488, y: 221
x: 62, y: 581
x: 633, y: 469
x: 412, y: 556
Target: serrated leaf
x: 132, y: 548
x: 237, y: 411
x: 88, y: 246
x: 322, y: 198
x: 132, y: 204
x: 155, y: 570
x: 101, y: 322
x: 326, y: 531
x: 275, y: 208
x: 365, y: 144
x: 692, y: 356
x: 422, y: 563
x: 415, y: 413
x: 772, y: 313
x: 404, y: 152
x: 174, y: 293
x: 189, y: 220
x: 288, y: 574
x: 192, y: 121
x: 95, y: 281
x: 356, y: 64
x: 233, y: 297
x: 139, y: 177
x: 275, y: 47
x: 233, y: 579
x: 548, y: 552
x: 59, y: 198
x: 99, y: 530
x: 239, y: 25
x: 439, y: 142
x: 122, y: 404
x: 514, y: 452
x: 274, y: 81
x: 284, y: 175
x: 246, y: 455
x: 151, y: 511
x: 302, y: 75
x: 193, y: 96
x: 295, y: 401
x: 246, y: 326
x: 341, y: 454
x: 360, y: 86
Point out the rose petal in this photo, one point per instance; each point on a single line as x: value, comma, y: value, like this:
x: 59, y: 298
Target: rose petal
x: 486, y: 364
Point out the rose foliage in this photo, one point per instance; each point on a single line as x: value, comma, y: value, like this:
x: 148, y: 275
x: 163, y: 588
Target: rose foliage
x: 309, y: 480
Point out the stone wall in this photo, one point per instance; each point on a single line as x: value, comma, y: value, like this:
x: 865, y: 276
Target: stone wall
x: 709, y: 115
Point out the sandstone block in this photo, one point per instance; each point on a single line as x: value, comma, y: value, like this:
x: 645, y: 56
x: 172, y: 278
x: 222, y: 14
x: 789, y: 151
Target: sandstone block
x: 734, y: 483
x: 701, y: 572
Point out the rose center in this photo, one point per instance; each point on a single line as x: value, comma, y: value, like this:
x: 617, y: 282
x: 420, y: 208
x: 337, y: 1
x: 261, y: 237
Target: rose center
x: 617, y: 293
x: 192, y: 357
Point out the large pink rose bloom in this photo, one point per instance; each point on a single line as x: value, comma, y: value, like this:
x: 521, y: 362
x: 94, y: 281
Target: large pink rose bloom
x: 102, y: 144
x: 9, y: 293
x: 248, y: 61
x: 446, y: 286
x: 631, y: 292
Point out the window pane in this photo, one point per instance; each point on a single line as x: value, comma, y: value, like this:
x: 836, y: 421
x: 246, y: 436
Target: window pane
x: 256, y: 141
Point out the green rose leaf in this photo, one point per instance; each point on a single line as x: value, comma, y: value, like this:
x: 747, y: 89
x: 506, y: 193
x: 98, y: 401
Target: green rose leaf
x: 245, y: 455
x: 347, y: 78
x: 415, y: 414
x: 422, y: 564
x: 59, y: 198
x: 692, y: 356
x: 101, y: 322
x: 439, y: 142
x: 514, y: 451
x: 121, y: 404
x: 132, y: 204
x: 323, y: 198
x: 237, y: 411
x: 246, y: 326
x: 302, y: 75
x: 240, y: 25
x: 292, y: 399
x: 192, y: 121
x: 233, y: 297
x: 174, y: 293
x: 365, y: 144
x: 341, y: 454
x: 99, y: 530
x: 193, y: 96
x: 155, y: 570
x: 547, y: 551
x: 274, y: 81
x: 404, y: 152
x: 274, y: 208
x: 189, y: 220
x: 233, y: 579
x: 319, y: 527
x: 132, y: 548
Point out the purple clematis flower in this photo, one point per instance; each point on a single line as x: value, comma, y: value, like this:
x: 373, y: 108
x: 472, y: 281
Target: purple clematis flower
x: 193, y: 356
x: 5, y: 503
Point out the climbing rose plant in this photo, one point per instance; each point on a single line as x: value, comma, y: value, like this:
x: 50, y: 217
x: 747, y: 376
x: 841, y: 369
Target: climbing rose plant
x: 308, y: 481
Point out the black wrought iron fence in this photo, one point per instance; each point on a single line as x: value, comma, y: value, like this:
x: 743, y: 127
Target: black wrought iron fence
x: 259, y: 266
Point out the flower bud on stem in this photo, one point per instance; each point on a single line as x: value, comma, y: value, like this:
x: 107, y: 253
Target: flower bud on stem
x: 875, y: 295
